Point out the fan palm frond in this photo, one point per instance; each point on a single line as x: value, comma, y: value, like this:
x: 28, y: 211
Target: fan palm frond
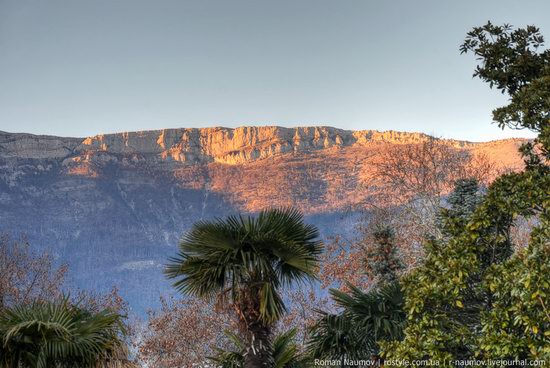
x: 378, y: 311
x: 58, y: 335
x: 271, y: 250
x: 284, y: 352
x: 366, y: 318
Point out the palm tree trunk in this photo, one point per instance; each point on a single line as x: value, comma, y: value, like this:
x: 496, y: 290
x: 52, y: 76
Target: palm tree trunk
x: 258, y: 354
x: 256, y: 332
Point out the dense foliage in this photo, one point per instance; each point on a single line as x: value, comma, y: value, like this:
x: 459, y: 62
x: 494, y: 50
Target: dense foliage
x: 472, y: 297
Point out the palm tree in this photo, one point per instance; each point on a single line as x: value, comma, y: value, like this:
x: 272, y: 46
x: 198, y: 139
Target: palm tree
x: 366, y: 319
x: 245, y: 261
x: 59, y: 335
x: 285, y: 352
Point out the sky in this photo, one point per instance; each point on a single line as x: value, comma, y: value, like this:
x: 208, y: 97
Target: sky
x: 84, y: 67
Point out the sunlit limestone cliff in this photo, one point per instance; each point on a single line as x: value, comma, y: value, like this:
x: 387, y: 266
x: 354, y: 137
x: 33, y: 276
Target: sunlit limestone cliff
x: 113, y: 206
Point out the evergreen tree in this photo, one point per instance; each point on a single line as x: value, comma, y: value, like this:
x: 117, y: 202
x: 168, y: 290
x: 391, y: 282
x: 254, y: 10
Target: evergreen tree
x: 470, y: 298
x: 381, y: 257
x: 462, y: 202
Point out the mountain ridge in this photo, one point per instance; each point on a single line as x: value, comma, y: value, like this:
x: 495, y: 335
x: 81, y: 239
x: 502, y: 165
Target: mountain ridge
x: 215, y: 144
x: 114, y: 206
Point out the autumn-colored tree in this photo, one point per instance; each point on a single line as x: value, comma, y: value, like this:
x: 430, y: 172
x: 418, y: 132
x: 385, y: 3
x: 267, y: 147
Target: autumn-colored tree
x: 417, y: 177
x: 28, y: 276
x: 25, y: 275
x: 302, y: 304
x: 374, y: 242
x: 245, y: 261
x: 408, y: 184
x: 184, y: 333
x: 95, y: 302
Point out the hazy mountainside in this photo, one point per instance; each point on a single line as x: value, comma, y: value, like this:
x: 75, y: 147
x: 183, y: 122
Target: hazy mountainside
x: 113, y: 206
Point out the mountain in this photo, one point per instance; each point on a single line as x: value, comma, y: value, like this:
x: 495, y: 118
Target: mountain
x: 113, y: 206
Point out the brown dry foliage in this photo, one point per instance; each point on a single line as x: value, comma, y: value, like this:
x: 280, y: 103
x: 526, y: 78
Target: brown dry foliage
x: 303, y: 302
x: 428, y: 170
x: 96, y: 302
x: 184, y: 333
x: 407, y: 184
x: 411, y: 181
x: 346, y: 260
x: 27, y: 276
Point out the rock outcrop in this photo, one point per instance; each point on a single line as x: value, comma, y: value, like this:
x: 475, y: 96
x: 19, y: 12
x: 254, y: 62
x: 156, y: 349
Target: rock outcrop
x: 239, y: 145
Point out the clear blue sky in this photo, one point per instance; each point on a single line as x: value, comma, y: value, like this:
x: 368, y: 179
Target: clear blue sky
x: 83, y: 67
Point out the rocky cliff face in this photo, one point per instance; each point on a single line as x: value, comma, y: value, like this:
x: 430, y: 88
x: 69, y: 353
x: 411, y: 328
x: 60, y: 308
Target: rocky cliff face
x: 114, y: 206
x: 238, y: 146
